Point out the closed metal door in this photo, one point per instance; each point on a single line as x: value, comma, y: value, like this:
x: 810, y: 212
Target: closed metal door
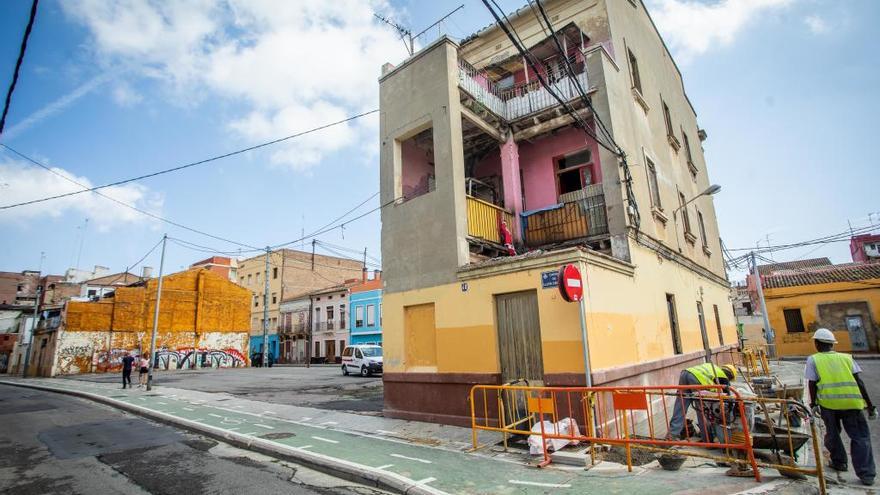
x: 856, y: 327
x: 519, y: 337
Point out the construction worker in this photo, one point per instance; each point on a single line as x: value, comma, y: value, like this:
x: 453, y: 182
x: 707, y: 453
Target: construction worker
x: 703, y: 374
x: 838, y: 395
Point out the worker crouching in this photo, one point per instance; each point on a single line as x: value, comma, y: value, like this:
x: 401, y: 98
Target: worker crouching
x: 703, y: 374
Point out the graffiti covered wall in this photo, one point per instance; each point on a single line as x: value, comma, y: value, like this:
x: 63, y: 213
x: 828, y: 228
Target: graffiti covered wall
x: 199, y: 310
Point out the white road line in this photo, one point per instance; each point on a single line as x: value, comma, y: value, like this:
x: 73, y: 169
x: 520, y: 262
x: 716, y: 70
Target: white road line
x: 264, y: 426
x: 329, y: 423
x: 252, y: 433
x: 198, y: 420
x: 305, y: 418
x: 386, y: 432
x: 386, y: 466
x: 188, y: 409
x: 232, y: 429
x: 425, y: 481
x: 423, y: 461
x: 533, y: 483
x: 162, y: 403
x: 304, y: 447
x: 215, y: 415
x: 269, y: 412
x: 325, y: 440
x: 142, y: 398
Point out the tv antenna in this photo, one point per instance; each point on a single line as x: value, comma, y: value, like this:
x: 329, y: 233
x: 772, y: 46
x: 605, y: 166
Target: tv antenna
x: 406, y: 35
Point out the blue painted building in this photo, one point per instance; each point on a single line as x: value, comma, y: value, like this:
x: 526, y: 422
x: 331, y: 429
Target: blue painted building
x: 365, y: 312
x: 257, y: 345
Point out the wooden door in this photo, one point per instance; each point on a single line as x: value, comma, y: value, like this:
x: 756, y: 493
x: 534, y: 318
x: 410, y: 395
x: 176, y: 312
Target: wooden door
x: 519, y: 337
x: 331, y: 350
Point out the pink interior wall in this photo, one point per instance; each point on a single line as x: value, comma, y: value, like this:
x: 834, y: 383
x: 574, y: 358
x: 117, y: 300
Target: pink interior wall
x: 489, y: 165
x: 414, y: 167
x: 536, y: 160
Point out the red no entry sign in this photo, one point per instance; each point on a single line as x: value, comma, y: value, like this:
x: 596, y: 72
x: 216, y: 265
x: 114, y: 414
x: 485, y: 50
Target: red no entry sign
x: 571, y: 285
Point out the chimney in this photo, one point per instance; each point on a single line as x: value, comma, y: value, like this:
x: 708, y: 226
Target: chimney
x: 147, y: 272
x: 364, y: 275
x: 377, y: 274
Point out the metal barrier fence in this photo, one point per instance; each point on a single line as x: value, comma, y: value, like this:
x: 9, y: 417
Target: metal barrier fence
x: 641, y: 417
x: 623, y: 416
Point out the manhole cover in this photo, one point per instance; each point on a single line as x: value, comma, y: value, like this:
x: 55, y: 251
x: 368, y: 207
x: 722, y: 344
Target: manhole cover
x: 277, y: 436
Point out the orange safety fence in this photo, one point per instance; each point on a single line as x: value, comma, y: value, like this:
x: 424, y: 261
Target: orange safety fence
x: 624, y: 416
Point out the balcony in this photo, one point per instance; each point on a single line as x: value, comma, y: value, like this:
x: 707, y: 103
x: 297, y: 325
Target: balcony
x: 580, y: 215
x: 522, y: 100
x: 484, y: 220
x: 325, y: 326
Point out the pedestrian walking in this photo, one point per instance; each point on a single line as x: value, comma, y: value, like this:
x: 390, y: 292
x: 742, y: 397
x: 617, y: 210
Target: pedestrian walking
x: 127, y: 363
x: 703, y: 374
x: 838, y: 395
x: 143, y: 371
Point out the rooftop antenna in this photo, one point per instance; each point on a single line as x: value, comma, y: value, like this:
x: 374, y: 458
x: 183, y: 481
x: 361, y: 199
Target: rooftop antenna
x: 406, y: 35
x: 82, y: 240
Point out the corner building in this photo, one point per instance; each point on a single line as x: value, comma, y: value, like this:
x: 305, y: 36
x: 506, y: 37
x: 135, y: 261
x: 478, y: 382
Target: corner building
x: 474, y: 146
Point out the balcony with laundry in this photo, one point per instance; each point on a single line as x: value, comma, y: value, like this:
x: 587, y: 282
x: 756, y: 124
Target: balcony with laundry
x: 510, y: 91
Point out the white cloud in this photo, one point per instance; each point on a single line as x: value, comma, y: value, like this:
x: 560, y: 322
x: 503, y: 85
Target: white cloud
x: 294, y: 65
x: 27, y: 182
x: 692, y: 27
x: 56, y: 106
x: 816, y: 24
x: 125, y: 96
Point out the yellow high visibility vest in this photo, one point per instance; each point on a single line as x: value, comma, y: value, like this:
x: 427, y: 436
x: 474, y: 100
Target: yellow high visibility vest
x: 837, y: 386
x: 707, y: 373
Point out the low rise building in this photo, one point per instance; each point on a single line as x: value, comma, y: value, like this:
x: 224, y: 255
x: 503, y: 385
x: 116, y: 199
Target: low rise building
x: 365, y: 311
x: 865, y: 248
x: 294, y: 331
x: 330, y: 322
x: 221, y: 265
x: 203, y: 322
x: 806, y: 295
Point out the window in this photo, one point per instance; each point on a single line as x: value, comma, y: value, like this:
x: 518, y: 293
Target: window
x: 329, y: 313
x: 249, y: 279
x: 256, y: 301
x: 359, y: 316
x: 794, y: 322
x: 317, y: 349
x: 341, y: 316
x: 687, y: 152
x: 257, y: 276
x: 673, y: 323
x: 371, y: 315
x: 718, y: 324
x: 274, y: 297
x: 702, y: 229
x: 653, y: 186
x: 684, y: 214
x: 347, y: 352
x: 748, y: 307
x: 574, y: 171
x: 242, y: 280
x: 634, y: 71
x: 358, y: 354
x: 701, y: 318
x: 668, y: 118
x: 341, y: 344
x: 417, y: 164
x: 275, y: 272
x: 380, y: 314
x: 93, y: 292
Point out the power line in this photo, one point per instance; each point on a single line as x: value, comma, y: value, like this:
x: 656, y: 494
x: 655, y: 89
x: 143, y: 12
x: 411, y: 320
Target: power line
x: 184, y: 166
x: 838, y: 237
x: 18, y: 62
x: 136, y: 263
x: 132, y: 207
x: 804, y: 271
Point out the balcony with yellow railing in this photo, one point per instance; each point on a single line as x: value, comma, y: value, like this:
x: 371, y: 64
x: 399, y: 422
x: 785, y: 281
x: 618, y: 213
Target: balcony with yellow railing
x: 484, y: 220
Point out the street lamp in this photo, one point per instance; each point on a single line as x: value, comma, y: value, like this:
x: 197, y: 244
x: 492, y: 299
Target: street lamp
x: 713, y: 189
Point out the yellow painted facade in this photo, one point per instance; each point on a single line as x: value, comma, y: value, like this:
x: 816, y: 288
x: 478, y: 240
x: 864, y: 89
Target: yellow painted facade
x: 808, y: 298
x: 627, y: 318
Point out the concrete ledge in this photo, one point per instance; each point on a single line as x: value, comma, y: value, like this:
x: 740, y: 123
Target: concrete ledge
x: 335, y: 467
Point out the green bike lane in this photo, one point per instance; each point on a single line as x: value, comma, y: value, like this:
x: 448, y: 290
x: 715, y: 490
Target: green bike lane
x: 429, y: 467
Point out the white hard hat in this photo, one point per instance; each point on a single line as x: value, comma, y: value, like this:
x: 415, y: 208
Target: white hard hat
x: 824, y: 335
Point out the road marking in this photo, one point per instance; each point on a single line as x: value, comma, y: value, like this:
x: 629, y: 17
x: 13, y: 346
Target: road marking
x: 252, y: 433
x: 304, y: 447
x: 188, y: 409
x: 264, y: 426
x: 534, y: 483
x: 305, y: 418
x: 386, y: 466
x: 142, y: 398
x: 198, y: 420
x: 329, y: 423
x: 232, y: 429
x: 325, y: 440
x: 269, y: 412
x: 425, y: 481
x: 162, y: 403
x: 215, y: 415
x: 423, y: 461
x: 386, y: 432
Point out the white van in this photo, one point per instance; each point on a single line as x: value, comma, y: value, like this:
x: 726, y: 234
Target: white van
x: 363, y: 359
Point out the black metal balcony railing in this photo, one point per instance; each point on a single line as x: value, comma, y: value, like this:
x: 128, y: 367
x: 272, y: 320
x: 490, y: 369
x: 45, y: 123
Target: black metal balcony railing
x: 583, y: 217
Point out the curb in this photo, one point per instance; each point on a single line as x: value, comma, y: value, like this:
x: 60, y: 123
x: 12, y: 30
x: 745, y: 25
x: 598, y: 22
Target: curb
x: 350, y: 471
x: 857, y: 357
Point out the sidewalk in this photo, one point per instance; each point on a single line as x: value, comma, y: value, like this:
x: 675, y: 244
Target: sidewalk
x: 401, y: 456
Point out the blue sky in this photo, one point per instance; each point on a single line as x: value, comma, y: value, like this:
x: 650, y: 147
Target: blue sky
x: 785, y: 89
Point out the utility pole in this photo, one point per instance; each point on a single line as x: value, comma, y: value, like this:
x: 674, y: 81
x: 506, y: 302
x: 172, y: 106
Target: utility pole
x: 153, y: 353
x: 313, y: 254
x: 30, y: 346
x: 265, y: 361
x: 365, y: 259
x: 771, y: 336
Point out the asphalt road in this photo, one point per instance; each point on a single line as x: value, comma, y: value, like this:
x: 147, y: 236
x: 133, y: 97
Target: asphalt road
x: 871, y: 377
x: 322, y: 387
x: 52, y: 443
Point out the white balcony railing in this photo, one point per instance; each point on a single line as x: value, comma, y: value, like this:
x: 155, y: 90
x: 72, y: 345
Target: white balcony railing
x: 514, y: 103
